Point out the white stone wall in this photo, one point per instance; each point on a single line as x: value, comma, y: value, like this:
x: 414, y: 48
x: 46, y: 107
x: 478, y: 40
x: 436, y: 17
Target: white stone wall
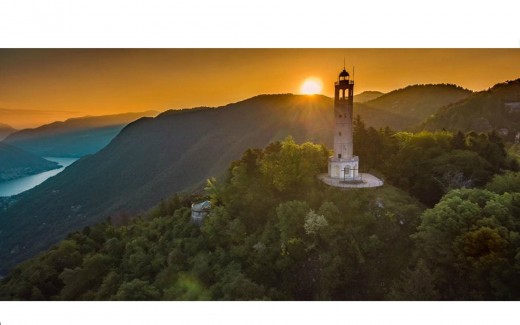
x: 338, y: 167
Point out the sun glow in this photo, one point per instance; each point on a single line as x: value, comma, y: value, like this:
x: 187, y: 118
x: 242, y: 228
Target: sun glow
x: 311, y: 86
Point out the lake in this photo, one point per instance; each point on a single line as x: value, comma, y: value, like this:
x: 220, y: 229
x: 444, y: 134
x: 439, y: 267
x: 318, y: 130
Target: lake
x: 22, y: 184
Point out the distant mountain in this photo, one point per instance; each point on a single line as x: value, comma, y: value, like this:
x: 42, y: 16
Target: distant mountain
x: 367, y: 95
x: 75, y: 137
x: 407, y: 107
x: 5, y: 130
x: 15, y: 163
x: 497, y: 108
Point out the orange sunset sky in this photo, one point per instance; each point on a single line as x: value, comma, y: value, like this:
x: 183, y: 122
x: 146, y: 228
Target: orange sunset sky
x: 40, y: 86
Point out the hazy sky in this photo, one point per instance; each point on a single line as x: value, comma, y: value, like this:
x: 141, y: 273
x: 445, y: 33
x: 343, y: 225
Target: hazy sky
x: 40, y: 86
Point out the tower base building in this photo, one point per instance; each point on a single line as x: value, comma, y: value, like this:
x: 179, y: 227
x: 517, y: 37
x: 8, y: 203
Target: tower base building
x: 346, y: 170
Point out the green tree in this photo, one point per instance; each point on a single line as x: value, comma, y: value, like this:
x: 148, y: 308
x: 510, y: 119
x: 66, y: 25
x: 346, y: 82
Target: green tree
x: 187, y: 288
x: 291, y: 219
x: 294, y: 166
x: 314, y: 223
x: 137, y: 290
x: 458, y: 141
x: 506, y: 183
x: 87, y: 277
x: 222, y: 230
x: 109, y: 286
x: 472, y: 239
x: 415, y: 285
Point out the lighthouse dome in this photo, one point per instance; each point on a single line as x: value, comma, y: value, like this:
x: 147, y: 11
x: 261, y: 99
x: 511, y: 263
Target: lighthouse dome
x: 344, y: 73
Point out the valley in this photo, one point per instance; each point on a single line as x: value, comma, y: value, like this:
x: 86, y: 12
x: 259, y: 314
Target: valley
x: 22, y: 184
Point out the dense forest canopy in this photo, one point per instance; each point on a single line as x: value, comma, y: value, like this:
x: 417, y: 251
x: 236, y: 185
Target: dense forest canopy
x: 444, y: 226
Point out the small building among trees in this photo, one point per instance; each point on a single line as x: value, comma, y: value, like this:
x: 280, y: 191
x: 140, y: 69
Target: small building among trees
x: 199, y: 211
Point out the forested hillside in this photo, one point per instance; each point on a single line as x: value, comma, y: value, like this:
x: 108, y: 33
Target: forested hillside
x: 405, y: 108
x: 276, y: 233
x: 497, y: 108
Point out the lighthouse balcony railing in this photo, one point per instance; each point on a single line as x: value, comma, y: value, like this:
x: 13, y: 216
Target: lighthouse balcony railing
x: 344, y: 82
x: 351, y: 159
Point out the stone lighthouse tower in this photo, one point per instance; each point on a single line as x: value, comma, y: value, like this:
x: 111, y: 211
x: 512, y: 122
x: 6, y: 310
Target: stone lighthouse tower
x: 343, y: 165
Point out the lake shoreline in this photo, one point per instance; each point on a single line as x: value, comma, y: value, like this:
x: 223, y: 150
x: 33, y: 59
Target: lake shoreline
x: 19, y: 185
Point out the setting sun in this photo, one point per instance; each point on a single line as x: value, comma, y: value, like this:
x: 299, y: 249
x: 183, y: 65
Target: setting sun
x: 311, y: 86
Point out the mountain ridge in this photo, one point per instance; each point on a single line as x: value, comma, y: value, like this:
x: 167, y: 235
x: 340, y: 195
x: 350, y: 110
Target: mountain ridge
x: 497, y: 108
x: 6, y: 130
x: 407, y: 107
x: 367, y: 96
x: 74, y: 137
